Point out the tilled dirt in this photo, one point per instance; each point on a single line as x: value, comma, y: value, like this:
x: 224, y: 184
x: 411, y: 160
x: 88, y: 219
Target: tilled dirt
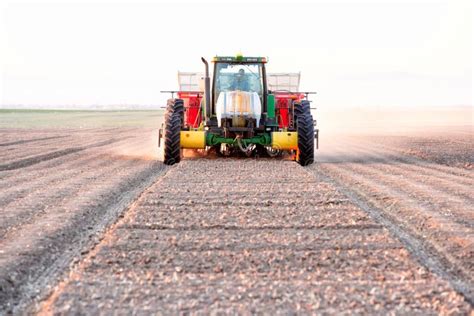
x: 433, y: 201
x: 221, y: 236
x: 447, y: 146
x: 54, y: 206
x: 91, y: 222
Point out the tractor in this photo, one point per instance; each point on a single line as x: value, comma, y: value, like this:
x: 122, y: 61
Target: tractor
x: 238, y: 114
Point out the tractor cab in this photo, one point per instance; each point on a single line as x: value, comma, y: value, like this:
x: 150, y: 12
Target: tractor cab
x: 238, y: 90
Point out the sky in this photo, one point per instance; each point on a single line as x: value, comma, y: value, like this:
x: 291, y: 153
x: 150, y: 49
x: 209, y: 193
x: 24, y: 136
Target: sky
x: 352, y: 53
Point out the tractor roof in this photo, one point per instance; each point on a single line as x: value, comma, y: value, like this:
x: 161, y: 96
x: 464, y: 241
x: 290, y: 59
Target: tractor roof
x: 239, y: 59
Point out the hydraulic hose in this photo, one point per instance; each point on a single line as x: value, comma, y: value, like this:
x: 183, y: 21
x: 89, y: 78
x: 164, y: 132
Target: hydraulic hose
x: 246, y: 150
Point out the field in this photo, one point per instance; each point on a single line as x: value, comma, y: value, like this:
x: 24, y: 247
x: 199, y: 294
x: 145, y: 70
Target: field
x: 91, y: 221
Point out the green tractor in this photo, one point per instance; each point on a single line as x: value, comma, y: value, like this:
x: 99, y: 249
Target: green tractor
x: 238, y: 113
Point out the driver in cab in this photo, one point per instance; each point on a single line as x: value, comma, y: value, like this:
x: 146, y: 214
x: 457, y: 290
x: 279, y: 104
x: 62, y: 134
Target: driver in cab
x: 240, y: 81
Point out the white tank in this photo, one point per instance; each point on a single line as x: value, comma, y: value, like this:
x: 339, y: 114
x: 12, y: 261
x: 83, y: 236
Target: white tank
x: 238, y: 105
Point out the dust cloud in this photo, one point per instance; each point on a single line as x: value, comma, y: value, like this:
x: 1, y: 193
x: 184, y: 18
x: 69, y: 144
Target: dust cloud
x: 142, y: 147
x: 391, y: 121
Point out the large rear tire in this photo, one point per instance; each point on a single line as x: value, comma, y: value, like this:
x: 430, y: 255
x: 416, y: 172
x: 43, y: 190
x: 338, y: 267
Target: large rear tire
x: 172, y: 150
x: 302, y: 108
x: 174, y: 106
x: 305, y: 130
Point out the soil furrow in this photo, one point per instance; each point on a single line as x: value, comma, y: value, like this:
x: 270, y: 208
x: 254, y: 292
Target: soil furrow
x: 400, y: 155
x: 22, y: 163
x: 248, y: 228
x: 75, y: 139
x: 36, y: 203
x: 397, y: 202
x: 417, y: 246
x: 357, y: 153
x: 45, y: 168
x: 30, y: 140
x: 434, y: 200
x: 443, y: 200
x: 18, y: 187
x: 449, y: 241
x: 28, y: 151
x: 36, y: 260
x: 206, y: 253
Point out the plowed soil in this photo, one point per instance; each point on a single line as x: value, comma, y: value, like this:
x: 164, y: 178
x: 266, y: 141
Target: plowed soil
x: 91, y: 222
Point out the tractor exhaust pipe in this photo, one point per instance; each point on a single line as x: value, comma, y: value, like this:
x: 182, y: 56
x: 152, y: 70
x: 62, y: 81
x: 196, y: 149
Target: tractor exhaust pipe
x: 207, y: 89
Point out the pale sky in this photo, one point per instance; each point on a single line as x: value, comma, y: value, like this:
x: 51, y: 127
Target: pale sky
x: 353, y: 53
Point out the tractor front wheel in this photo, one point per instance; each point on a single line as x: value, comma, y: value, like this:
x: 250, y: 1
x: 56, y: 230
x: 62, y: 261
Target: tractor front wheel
x: 305, y: 130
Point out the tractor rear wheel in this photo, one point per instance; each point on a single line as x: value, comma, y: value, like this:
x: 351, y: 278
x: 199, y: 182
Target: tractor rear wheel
x: 172, y: 131
x: 302, y: 108
x: 174, y: 105
x: 305, y: 130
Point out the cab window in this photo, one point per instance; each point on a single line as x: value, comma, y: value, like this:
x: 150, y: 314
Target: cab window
x: 243, y: 77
